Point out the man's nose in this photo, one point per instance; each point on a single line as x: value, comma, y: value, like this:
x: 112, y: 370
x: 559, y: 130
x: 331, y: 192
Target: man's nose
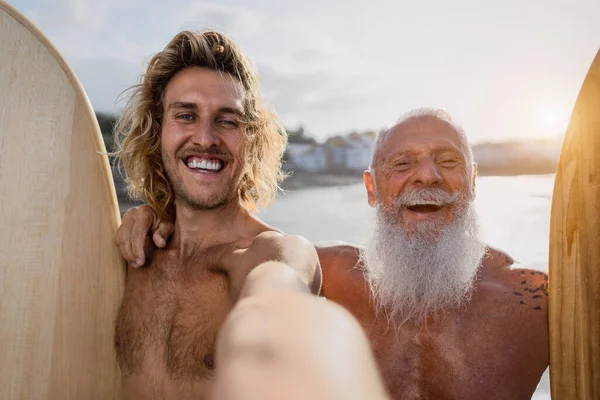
x: 427, y: 173
x: 205, y: 135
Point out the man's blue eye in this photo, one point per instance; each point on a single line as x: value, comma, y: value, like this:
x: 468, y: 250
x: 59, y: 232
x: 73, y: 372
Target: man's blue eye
x: 187, y: 117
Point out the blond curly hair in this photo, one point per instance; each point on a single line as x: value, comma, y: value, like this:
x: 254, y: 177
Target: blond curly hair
x: 138, y: 130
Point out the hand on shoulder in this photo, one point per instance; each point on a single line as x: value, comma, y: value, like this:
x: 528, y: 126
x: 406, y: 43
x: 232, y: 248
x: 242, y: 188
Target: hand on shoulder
x: 140, y: 232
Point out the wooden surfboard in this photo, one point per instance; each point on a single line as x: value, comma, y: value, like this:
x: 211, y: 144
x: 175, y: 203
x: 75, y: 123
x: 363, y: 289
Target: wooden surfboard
x: 61, y: 277
x: 574, y: 264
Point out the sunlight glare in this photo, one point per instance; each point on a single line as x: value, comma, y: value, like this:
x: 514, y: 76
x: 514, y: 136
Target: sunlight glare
x: 551, y: 121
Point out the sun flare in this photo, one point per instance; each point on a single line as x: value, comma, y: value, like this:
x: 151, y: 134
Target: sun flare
x: 551, y: 121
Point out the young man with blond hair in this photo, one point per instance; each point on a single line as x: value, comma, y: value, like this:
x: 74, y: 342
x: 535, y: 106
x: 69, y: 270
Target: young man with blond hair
x: 197, y: 143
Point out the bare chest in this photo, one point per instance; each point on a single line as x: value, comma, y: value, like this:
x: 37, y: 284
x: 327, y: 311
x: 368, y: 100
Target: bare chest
x: 169, y: 320
x: 463, y: 359
x: 495, y: 347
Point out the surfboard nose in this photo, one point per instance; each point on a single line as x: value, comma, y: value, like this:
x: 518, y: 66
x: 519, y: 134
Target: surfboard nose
x: 61, y: 278
x: 574, y: 264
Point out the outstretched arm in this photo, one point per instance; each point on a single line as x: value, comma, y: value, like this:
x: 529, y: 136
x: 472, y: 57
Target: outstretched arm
x: 277, y: 344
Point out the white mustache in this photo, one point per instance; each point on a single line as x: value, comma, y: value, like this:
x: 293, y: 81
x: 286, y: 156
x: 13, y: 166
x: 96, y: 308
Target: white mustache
x: 435, y: 196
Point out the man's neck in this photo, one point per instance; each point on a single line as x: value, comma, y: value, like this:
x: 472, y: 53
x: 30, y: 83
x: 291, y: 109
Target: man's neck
x: 205, y: 227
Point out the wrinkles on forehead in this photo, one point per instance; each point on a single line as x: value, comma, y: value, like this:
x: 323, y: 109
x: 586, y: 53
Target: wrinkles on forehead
x: 429, y: 131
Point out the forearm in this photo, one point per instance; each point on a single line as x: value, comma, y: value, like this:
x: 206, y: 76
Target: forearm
x: 277, y: 344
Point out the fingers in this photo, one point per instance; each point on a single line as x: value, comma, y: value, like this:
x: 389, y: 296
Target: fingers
x: 139, y: 233
x: 140, y: 230
x: 132, y: 234
x: 122, y: 237
x: 163, y: 231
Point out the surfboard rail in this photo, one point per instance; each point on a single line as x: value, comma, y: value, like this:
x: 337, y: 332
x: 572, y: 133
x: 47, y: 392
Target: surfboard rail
x: 574, y: 254
x: 61, y: 276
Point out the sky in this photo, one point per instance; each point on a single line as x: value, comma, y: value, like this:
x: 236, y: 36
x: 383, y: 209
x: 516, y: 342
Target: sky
x: 503, y: 70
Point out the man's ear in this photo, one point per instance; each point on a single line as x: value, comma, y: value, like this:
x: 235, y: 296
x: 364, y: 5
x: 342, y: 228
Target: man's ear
x: 370, y: 186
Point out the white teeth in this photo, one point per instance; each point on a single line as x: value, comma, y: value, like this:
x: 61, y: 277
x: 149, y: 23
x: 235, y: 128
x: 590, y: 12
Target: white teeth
x: 215, y: 166
x: 428, y: 203
x: 206, y: 165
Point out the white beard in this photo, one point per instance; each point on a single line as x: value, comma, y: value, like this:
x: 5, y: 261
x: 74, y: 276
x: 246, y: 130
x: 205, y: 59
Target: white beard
x: 431, y: 270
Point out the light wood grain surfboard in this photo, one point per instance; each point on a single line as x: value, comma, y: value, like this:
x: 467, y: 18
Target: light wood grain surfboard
x: 574, y: 264
x: 61, y: 277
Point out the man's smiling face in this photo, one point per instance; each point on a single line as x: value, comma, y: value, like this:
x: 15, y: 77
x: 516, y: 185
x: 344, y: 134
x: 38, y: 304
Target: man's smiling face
x: 421, y: 175
x: 202, y: 137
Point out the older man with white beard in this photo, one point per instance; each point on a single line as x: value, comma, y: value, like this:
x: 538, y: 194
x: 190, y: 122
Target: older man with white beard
x: 419, y: 270
x: 425, y: 250
x: 447, y: 317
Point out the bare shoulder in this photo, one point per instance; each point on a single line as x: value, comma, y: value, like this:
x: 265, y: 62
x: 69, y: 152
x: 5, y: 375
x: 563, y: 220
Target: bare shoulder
x: 512, y: 301
x: 295, y: 251
x: 339, y: 256
x: 278, y: 240
x: 526, y: 288
x: 342, y: 269
x: 277, y: 246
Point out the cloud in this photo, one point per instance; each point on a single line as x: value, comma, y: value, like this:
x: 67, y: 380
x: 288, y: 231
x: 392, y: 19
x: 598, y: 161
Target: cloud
x: 351, y: 64
x: 339, y: 102
x: 84, y: 28
x: 82, y: 14
x: 105, y: 79
x: 235, y: 21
